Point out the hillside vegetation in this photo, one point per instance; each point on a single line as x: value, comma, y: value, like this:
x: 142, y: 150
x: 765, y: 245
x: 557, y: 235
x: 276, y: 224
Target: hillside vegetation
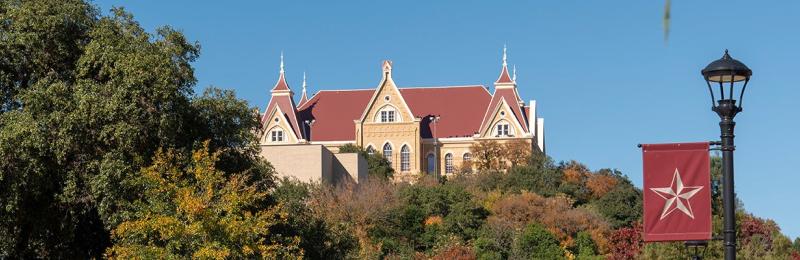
x: 106, y: 151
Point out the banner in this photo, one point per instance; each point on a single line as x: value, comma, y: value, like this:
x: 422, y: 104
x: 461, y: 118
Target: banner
x: 677, y: 192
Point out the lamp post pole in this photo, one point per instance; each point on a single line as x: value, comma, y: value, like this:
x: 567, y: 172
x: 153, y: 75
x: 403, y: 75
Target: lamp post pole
x: 436, y: 157
x: 727, y: 71
x: 727, y: 110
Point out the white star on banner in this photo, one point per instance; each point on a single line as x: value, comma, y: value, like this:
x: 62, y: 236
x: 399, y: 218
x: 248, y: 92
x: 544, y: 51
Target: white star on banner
x: 677, y: 196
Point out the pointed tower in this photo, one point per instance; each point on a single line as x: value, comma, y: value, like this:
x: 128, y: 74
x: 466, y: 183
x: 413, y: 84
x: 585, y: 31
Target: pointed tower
x: 506, y: 110
x: 504, y: 78
x: 303, y: 96
x: 280, y: 122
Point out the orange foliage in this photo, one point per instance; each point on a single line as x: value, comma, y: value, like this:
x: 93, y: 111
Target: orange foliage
x: 575, y: 173
x: 555, y: 213
x: 455, y: 252
x: 600, y: 184
x: 433, y: 220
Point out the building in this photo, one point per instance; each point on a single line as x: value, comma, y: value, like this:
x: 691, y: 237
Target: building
x: 418, y: 129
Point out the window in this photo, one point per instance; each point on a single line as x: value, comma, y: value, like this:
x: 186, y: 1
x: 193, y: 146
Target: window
x: 448, y: 163
x: 387, y: 152
x: 405, y: 159
x: 277, y: 135
x: 370, y: 150
x: 503, y: 129
x: 466, y: 163
x: 387, y: 115
x: 431, y: 163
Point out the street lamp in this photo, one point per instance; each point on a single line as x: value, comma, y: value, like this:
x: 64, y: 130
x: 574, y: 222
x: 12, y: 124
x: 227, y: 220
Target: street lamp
x: 435, y: 120
x: 697, y: 248
x: 727, y: 71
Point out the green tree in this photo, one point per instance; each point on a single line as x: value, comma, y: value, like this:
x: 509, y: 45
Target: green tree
x: 584, y: 247
x: 377, y: 166
x: 796, y: 244
x: 318, y: 239
x: 189, y: 208
x: 536, y: 242
x: 86, y: 102
x: 622, y: 205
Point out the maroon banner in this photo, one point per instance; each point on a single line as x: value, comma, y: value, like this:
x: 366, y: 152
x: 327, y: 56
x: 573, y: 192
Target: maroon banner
x: 677, y: 192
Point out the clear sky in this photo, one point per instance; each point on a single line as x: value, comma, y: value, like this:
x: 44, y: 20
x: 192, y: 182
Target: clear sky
x: 602, y: 73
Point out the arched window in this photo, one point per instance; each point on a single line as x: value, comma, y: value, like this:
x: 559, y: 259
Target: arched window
x: 431, y: 163
x: 370, y: 150
x: 387, y: 152
x: 466, y: 163
x: 276, y: 135
x: 448, y: 163
x: 387, y: 114
x: 504, y: 129
x: 405, y: 158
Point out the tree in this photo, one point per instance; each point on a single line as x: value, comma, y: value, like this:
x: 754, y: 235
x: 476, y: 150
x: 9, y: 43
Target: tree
x: 626, y: 242
x: 517, y: 152
x: 584, y: 246
x: 86, y: 101
x: 377, y: 165
x: 622, y: 205
x: 191, y: 209
x: 318, y: 239
x: 515, y: 211
x: 536, y: 242
x: 796, y: 244
x: 487, y: 155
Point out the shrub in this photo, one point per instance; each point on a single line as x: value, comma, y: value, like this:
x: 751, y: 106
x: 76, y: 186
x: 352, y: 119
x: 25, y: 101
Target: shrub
x: 536, y: 242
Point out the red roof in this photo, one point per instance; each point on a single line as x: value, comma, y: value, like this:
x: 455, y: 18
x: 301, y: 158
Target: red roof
x: 303, y: 99
x: 458, y: 107
x: 504, y: 78
x: 335, y: 111
x: 510, y: 96
x: 287, y: 106
x: 281, y: 84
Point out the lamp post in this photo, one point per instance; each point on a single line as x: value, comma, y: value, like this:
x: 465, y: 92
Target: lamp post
x: 309, y: 123
x: 435, y: 120
x: 697, y: 248
x: 727, y: 71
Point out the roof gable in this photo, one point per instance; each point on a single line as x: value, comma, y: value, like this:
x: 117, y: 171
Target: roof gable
x: 283, y: 103
x: 509, y: 96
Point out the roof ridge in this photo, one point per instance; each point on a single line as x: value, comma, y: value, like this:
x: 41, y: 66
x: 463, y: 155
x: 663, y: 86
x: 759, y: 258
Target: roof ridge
x: 332, y: 90
x: 456, y: 86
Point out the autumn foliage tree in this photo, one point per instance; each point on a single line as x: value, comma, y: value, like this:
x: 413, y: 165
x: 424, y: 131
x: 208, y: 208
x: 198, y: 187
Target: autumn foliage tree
x: 487, y: 155
x: 189, y: 208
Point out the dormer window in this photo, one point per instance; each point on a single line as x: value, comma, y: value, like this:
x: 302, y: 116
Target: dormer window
x: 387, y: 114
x: 504, y: 129
x: 277, y: 135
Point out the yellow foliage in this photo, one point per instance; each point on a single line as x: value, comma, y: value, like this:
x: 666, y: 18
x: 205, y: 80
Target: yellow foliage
x: 433, y: 220
x: 195, y: 210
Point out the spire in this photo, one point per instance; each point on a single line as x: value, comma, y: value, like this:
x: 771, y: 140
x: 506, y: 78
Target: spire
x: 304, y: 82
x: 514, y: 73
x: 505, y: 57
x: 281, y: 62
x: 504, y: 77
x: 281, y: 85
x: 303, y: 97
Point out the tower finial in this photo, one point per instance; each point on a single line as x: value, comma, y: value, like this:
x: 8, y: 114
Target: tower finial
x: 281, y: 62
x: 514, y: 74
x: 304, y: 81
x: 504, y: 55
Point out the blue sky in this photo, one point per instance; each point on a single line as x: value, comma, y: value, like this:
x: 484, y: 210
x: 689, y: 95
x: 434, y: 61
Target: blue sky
x: 602, y: 74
